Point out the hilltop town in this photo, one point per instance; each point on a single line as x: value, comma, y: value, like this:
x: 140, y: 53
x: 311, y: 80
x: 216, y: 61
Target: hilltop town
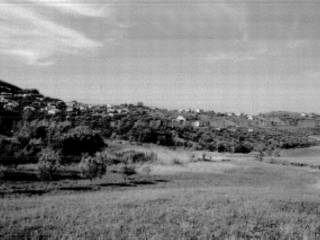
x: 30, y: 102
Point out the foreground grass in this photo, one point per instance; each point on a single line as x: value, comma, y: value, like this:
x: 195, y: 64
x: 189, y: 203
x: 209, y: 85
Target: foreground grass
x: 259, y: 201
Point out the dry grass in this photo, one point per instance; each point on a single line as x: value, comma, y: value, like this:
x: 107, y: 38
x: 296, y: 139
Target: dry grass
x: 303, y: 155
x: 250, y: 201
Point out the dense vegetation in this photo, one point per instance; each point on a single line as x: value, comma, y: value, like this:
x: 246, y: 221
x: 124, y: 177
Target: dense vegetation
x: 35, y: 129
x: 71, y: 141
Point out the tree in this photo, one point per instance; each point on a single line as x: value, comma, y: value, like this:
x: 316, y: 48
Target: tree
x: 92, y: 166
x: 10, y: 152
x: 127, y: 171
x: 276, y: 153
x: 80, y: 140
x: 140, y: 104
x: 49, y: 161
x: 260, y: 156
x: 126, y: 168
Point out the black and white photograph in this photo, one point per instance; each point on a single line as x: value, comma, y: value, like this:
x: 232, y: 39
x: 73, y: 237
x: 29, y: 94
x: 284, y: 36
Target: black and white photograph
x: 160, y: 119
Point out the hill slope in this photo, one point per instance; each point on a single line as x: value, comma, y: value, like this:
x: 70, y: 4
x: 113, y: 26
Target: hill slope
x: 8, y: 87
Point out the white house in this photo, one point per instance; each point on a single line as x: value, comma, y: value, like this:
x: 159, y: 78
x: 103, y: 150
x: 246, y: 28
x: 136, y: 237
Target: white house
x: 3, y: 100
x: 250, y: 117
x: 11, y: 105
x: 52, y: 110
x: 180, y: 120
x: 29, y: 108
x: 196, y: 124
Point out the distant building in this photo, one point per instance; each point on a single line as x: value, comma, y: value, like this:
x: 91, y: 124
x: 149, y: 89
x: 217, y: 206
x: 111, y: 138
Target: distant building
x: 199, y: 123
x: 52, y: 110
x: 3, y: 99
x: 11, y: 105
x: 196, y: 124
x: 250, y: 130
x: 179, y: 121
x: 69, y: 109
x: 29, y: 108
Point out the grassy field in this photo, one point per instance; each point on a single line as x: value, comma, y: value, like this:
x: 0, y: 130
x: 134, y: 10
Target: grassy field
x: 303, y: 155
x: 236, y: 199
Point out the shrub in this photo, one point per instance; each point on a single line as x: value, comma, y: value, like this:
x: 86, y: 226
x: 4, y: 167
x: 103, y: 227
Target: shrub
x: 223, y: 147
x: 24, y: 135
x: 80, y: 140
x: 107, y: 158
x: 49, y: 161
x: 276, y: 153
x: 92, y: 167
x: 146, y: 170
x: 10, y: 151
x: 260, y: 156
x: 132, y: 156
x: 176, y: 161
x: 31, y: 150
x: 243, y: 148
x: 127, y: 170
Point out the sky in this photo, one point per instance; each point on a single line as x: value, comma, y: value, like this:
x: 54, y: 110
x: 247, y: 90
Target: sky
x: 224, y: 55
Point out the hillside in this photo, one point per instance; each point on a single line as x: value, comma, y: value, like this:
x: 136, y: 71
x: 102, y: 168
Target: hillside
x: 9, y: 88
x: 29, y: 110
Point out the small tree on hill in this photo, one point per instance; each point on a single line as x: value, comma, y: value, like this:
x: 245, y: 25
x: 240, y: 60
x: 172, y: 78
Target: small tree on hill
x: 127, y: 171
x: 276, y: 153
x: 92, y: 167
x: 127, y: 168
x: 49, y: 161
x: 79, y: 140
x: 260, y: 156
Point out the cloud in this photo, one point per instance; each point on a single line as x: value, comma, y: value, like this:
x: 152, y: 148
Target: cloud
x: 252, y: 52
x: 77, y: 7
x: 189, y: 20
x: 28, y: 35
x: 234, y: 57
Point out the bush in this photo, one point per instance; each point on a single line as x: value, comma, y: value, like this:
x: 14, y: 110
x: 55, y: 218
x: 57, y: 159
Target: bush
x: 137, y: 157
x: 146, y: 170
x: 176, y: 161
x: 49, y: 161
x: 10, y: 151
x: 80, y: 140
x: 223, y: 147
x: 32, y: 150
x: 259, y: 156
x: 243, y: 148
x: 127, y: 170
x: 106, y: 157
x: 92, y: 167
